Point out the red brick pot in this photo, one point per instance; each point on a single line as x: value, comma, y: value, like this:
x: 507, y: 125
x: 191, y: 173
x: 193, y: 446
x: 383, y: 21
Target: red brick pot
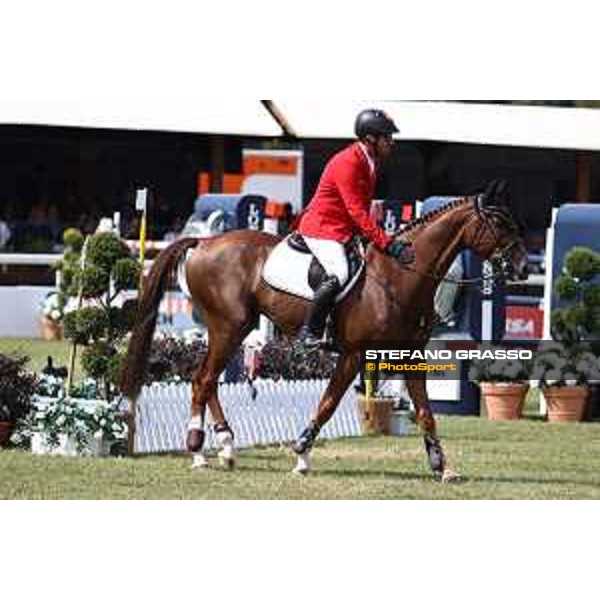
x: 504, y: 402
x: 566, y: 404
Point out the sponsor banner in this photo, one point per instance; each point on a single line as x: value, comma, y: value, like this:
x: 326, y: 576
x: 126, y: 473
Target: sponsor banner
x: 550, y: 363
x: 524, y: 322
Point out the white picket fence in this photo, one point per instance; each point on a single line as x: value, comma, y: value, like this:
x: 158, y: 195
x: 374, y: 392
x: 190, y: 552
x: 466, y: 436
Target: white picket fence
x: 277, y: 413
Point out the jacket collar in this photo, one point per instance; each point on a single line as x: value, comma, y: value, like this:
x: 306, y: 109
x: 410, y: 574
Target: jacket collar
x: 365, y: 153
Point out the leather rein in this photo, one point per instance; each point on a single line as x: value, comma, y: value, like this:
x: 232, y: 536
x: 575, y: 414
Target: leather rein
x: 500, y: 257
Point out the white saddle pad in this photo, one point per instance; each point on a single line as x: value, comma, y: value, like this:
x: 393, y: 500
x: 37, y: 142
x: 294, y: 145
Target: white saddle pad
x: 287, y: 270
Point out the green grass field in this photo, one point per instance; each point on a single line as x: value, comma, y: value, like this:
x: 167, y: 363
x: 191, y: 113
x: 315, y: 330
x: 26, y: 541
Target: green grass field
x: 522, y: 460
x: 529, y: 459
x: 38, y: 352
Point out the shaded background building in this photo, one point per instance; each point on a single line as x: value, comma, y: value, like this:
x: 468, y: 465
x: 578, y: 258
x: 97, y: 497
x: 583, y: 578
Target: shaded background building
x: 55, y: 176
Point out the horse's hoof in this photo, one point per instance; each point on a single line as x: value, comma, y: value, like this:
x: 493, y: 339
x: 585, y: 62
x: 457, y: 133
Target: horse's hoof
x: 300, y: 471
x: 450, y: 477
x: 302, y: 465
x: 199, y: 462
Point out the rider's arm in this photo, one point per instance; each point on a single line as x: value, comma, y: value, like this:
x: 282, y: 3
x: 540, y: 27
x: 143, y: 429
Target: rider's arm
x: 356, y: 193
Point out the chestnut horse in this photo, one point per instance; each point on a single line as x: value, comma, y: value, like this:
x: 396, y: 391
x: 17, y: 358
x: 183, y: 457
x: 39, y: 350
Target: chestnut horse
x: 392, y: 301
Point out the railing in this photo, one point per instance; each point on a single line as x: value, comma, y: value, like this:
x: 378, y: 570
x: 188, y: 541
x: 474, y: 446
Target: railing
x: 271, y: 413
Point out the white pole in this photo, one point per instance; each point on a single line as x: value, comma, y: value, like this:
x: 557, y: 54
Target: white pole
x: 549, y: 283
x: 487, y: 303
x: 548, y: 286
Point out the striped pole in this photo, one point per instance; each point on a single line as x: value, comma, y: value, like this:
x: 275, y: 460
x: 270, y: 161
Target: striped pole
x: 141, y: 205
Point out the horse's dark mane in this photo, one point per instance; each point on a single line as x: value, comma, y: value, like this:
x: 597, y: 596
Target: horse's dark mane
x: 431, y: 216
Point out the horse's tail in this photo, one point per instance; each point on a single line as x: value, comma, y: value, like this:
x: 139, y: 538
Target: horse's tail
x: 133, y: 370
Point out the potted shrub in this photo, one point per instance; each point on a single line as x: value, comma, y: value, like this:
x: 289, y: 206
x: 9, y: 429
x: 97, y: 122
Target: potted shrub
x: 563, y: 372
x: 95, y: 278
x: 504, y: 386
x: 102, y: 322
x: 17, y: 387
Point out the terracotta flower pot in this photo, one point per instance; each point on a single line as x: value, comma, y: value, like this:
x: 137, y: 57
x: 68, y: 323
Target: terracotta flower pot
x: 50, y: 330
x: 504, y: 402
x: 566, y: 404
x: 6, y: 429
x: 376, y: 415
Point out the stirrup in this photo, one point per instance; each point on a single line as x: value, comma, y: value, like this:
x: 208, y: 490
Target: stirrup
x: 307, y: 338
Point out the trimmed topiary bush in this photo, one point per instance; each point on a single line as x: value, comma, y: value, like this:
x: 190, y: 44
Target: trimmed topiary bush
x: 126, y: 274
x: 580, y: 321
x: 105, y: 249
x: 105, y: 320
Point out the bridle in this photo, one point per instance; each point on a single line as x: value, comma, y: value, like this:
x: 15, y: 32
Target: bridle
x: 500, y: 258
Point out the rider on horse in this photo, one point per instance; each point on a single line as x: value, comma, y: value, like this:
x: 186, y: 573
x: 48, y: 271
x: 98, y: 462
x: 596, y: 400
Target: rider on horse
x: 340, y: 209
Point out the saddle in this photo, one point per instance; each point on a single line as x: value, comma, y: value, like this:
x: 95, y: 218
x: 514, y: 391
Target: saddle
x: 292, y: 268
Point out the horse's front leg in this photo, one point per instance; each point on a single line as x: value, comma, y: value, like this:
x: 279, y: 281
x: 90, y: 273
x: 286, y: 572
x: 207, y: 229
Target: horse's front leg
x: 417, y: 388
x: 345, y: 372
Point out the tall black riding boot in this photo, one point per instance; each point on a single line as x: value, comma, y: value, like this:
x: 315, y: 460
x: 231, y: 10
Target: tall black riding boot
x: 312, y: 331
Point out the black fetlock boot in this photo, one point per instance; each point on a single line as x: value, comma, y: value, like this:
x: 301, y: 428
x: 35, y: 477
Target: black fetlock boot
x: 311, y: 332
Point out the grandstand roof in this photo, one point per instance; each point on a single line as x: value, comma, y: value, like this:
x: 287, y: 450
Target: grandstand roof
x: 147, y: 112
x: 493, y: 124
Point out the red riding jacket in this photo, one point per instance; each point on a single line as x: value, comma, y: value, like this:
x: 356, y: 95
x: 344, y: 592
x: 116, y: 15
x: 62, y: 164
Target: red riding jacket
x: 340, y: 206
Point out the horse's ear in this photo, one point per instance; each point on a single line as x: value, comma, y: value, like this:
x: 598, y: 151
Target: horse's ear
x: 497, y: 193
x: 503, y: 193
x: 489, y: 193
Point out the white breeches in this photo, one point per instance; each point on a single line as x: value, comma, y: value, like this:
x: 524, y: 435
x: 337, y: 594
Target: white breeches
x: 331, y: 255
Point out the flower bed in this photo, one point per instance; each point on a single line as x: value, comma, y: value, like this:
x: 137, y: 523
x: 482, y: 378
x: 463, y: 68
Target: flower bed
x: 70, y: 426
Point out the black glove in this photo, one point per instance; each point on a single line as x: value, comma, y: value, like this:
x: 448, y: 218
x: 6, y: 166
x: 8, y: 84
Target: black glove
x: 402, y: 252
x: 396, y: 248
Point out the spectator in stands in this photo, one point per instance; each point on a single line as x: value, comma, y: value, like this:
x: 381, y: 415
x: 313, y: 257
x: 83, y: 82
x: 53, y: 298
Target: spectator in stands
x: 54, y: 222
x: 87, y: 223
x: 174, y: 230
x: 131, y: 230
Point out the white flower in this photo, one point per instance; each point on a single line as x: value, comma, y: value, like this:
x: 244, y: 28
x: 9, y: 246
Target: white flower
x: 98, y: 434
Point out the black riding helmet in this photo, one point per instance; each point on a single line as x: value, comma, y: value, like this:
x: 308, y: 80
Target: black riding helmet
x: 375, y: 122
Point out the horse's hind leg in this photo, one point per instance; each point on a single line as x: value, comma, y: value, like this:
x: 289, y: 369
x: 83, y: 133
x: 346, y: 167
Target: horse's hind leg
x: 345, y: 372
x: 417, y: 388
x: 224, y: 340
x: 195, y: 434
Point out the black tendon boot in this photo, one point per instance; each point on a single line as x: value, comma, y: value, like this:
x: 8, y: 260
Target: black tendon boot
x: 312, y: 331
